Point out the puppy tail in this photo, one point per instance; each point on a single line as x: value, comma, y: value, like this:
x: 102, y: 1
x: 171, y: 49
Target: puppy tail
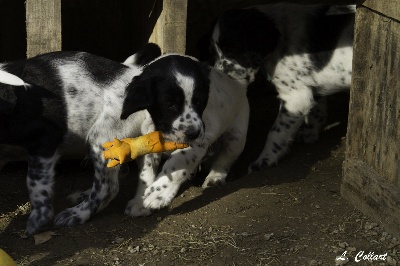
x: 10, y: 79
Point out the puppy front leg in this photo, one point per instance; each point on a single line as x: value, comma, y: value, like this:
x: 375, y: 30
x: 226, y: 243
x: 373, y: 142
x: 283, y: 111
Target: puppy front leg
x: 279, y: 138
x: 148, y: 166
x: 176, y: 170
x: 40, y: 179
x: 233, y: 141
x: 105, y: 187
x: 314, y: 122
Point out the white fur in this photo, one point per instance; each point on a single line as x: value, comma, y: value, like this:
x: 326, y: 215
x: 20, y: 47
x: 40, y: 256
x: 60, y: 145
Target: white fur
x: 11, y: 79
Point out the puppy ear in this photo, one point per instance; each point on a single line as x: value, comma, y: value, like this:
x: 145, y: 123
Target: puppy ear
x: 137, y: 97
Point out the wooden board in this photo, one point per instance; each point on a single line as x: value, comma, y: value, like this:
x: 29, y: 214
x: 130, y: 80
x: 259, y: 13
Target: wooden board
x: 388, y: 8
x: 371, y: 171
x: 43, y: 26
x: 170, y: 30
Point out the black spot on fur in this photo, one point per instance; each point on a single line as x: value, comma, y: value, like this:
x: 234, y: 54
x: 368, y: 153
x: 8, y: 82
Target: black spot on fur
x: 277, y: 146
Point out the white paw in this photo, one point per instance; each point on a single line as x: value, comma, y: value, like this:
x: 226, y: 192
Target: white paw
x: 214, y: 180
x: 160, y: 194
x: 135, y: 208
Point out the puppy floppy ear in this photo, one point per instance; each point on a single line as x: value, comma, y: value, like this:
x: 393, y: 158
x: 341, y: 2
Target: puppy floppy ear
x: 137, y: 97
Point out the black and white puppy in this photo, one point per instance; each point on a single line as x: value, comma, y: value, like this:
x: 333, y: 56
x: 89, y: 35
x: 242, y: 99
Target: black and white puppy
x: 64, y: 102
x: 205, y: 105
x: 306, y: 52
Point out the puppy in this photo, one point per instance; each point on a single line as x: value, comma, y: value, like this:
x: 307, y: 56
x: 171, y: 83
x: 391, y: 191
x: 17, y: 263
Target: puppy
x: 205, y: 105
x: 67, y: 102
x: 304, y: 50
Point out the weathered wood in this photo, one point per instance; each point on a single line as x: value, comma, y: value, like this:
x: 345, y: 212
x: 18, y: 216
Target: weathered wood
x: 43, y: 26
x: 170, y: 30
x: 374, y: 128
x: 390, y: 8
x: 371, y: 171
x: 369, y: 192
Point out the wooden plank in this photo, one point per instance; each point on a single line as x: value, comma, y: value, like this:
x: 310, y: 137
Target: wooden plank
x: 374, y: 128
x: 390, y: 8
x: 170, y: 30
x: 246, y: 3
x: 371, y: 171
x: 369, y: 192
x: 43, y: 26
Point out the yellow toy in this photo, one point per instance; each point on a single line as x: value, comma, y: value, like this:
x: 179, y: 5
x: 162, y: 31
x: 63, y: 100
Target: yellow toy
x: 5, y: 259
x: 120, y: 151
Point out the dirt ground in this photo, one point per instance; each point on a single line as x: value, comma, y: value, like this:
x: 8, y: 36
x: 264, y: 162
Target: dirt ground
x: 292, y: 214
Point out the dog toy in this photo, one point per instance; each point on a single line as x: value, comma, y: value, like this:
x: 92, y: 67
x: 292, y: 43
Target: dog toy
x: 5, y: 259
x: 120, y: 151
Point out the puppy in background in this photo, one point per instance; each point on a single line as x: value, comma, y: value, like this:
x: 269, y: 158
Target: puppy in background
x: 306, y: 52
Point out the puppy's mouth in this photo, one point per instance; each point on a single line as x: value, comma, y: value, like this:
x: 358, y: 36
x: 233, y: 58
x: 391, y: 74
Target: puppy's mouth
x: 180, y: 137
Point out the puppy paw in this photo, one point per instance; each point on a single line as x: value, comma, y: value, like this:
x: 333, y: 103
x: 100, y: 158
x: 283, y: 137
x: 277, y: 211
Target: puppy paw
x: 39, y: 219
x: 260, y: 165
x: 71, y: 216
x: 135, y: 208
x: 214, y: 180
x: 160, y: 194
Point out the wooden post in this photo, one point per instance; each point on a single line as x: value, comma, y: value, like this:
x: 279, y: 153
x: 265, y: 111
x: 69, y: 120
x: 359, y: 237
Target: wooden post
x: 43, y: 26
x: 371, y: 171
x: 170, y: 30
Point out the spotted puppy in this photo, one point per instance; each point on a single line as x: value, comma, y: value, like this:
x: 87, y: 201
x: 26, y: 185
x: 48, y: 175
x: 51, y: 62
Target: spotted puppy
x: 205, y: 105
x: 304, y: 50
x: 67, y: 103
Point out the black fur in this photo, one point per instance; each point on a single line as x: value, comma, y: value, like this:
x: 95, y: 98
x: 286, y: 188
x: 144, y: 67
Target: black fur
x: 247, y: 36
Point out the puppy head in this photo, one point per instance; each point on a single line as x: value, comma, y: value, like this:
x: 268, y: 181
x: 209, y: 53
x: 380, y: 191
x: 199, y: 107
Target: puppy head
x: 242, y: 39
x: 174, y: 89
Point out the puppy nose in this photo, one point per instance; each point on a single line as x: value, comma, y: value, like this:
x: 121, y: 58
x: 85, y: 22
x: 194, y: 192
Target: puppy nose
x: 192, y: 133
